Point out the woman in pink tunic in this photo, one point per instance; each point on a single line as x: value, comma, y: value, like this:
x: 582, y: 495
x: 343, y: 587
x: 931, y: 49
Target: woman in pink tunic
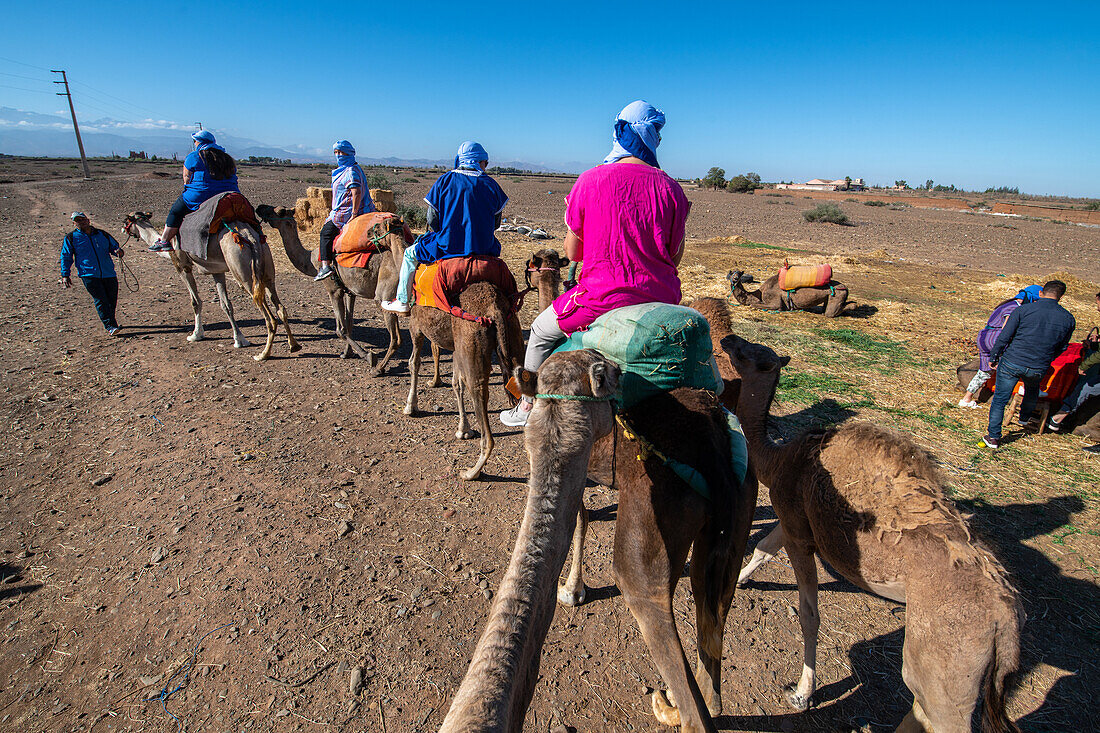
x: 626, y: 222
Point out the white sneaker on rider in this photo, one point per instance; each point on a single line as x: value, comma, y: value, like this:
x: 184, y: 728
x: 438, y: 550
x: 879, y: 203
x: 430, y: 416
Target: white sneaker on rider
x: 517, y: 416
x: 395, y: 306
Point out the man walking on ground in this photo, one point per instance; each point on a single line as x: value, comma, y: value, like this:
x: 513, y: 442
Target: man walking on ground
x: 91, y: 249
x: 1035, y: 334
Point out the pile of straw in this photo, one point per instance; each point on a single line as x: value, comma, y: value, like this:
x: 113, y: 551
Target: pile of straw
x: 310, y: 212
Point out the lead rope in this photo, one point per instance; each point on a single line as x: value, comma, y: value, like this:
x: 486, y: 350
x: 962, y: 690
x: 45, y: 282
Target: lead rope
x: 127, y: 272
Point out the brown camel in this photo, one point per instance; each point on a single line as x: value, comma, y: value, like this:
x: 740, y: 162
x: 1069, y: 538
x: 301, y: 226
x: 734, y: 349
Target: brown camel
x: 249, y: 262
x: 544, y: 275
x: 871, y: 503
x: 571, y: 433
x: 768, y: 296
x: 473, y: 345
x: 376, y: 282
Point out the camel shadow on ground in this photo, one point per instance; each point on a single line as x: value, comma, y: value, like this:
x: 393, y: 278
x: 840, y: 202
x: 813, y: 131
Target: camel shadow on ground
x: 10, y: 576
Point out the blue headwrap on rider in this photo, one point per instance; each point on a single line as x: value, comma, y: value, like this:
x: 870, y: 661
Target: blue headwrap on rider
x: 637, y: 133
x: 469, y: 155
x: 1030, y: 294
x: 345, y: 156
x: 204, y: 137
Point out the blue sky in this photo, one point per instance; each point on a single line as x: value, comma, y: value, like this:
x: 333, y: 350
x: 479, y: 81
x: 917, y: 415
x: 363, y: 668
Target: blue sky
x: 967, y: 93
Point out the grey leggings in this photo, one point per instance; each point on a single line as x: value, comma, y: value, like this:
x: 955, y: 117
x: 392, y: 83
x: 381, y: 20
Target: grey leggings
x: 976, y: 383
x: 545, y: 336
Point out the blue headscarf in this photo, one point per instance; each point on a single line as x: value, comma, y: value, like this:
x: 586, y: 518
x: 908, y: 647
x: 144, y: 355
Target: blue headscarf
x: 1030, y: 294
x: 204, y: 137
x: 345, y: 156
x: 469, y: 155
x: 637, y: 133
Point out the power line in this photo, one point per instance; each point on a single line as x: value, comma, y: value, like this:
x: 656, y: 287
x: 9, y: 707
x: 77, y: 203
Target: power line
x: 21, y: 76
x: 85, y: 86
x: 24, y: 89
x: 29, y: 66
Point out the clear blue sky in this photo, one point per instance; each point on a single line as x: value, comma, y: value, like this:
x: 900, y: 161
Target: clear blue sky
x: 970, y: 93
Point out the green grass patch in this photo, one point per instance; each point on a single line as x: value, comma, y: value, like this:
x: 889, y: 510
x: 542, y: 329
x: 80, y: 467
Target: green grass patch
x: 811, y: 386
x: 880, y: 349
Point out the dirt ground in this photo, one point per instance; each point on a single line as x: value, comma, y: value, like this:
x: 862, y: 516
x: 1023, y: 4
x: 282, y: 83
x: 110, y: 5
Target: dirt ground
x: 158, y: 496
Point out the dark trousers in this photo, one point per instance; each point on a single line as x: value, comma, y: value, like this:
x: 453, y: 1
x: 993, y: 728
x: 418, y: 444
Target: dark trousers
x: 329, y: 232
x: 1007, y: 376
x: 104, y: 291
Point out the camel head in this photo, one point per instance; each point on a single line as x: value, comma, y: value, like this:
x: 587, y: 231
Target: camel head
x: 546, y: 261
x: 757, y: 364
x: 573, y: 401
x: 273, y: 216
x: 138, y: 218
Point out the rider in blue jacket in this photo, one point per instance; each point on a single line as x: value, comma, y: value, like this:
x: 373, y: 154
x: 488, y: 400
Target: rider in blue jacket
x: 90, y: 249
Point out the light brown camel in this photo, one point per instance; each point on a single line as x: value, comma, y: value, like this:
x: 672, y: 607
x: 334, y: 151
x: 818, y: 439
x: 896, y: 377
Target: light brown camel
x: 871, y: 503
x: 473, y: 346
x: 768, y: 296
x: 571, y: 432
x: 376, y: 282
x: 544, y: 275
x: 250, y: 263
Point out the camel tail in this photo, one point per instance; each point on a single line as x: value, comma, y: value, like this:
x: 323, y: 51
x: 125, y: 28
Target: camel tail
x: 259, y: 290
x: 1006, y: 658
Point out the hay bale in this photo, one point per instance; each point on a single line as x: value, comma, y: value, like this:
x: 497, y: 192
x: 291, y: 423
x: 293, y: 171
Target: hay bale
x: 314, y: 192
x: 326, y: 196
x: 383, y: 200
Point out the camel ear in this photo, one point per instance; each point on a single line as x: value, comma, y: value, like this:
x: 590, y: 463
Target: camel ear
x: 603, y: 378
x: 784, y: 361
x: 523, y: 382
x: 563, y: 262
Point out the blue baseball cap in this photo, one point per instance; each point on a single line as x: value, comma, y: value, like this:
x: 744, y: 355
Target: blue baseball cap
x: 203, y: 136
x: 78, y: 215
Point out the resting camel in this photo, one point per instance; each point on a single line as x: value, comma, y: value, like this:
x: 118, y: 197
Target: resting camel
x: 544, y: 275
x: 376, y: 282
x: 871, y: 504
x: 250, y: 263
x: 768, y: 296
x: 571, y: 433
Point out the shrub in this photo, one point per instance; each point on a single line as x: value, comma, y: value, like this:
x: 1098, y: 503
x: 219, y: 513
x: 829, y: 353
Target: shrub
x: 829, y: 213
x: 715, y: 178
x: 745, y: 183
x: 874, y: 203
x: 377, y: 180
x: 411, y: 179
x: 852, y: 201
x: 1003, y: 189
x: 416, y: 217
x: 1092, y: 206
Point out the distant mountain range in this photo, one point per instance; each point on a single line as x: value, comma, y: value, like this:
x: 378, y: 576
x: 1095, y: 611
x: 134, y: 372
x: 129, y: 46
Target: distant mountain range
x: 46, y: 135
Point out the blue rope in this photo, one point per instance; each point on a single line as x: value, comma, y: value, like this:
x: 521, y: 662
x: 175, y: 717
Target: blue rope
x: 164, y: 694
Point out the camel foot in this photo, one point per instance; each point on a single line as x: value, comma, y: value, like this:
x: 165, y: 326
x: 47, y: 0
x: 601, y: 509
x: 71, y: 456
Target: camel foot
x: 567, y: 597
x: 195, y: 337
x: 262, y: 357
x: 436, y: 383
x: 799, y: 702
x: 466, y: 434
x: 241, y: 343
x: 664, y: 710
x: 471, y: 474
x: 372, y: 359
x: 409, y: 410
x: 295, y: 347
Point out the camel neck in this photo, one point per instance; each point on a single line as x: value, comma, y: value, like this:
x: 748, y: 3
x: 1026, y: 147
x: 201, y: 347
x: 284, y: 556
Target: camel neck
x: 499, y: 684
x: 548, y: 291
x: 753, y: 406
x: 299, y: 256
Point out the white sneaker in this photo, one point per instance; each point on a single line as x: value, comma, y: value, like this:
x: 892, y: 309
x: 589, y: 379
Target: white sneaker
x: 517, y: 416
x: 395, y: 306
x: 972, y: 404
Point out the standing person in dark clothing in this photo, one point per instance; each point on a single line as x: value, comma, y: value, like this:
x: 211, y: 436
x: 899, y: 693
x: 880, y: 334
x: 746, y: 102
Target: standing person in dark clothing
x: 90, y: 249
x: 1035, y: 334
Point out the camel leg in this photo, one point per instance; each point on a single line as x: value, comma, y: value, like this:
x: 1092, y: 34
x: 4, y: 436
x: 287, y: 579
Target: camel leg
x: 805, y: 572
x: 458, y: 384
x: 648, y: 561
x: 571, y: 592
x: 196, y: 304
x: 765, y: 551
x: 479, y: 395
x: 239, y: 341
x: 836, y: 302
x: 390, y: 319
x: 284, y: 317
x: 340, y: 313
x: 258, y: 297
x: 351, y: 346
x: 436, y: 381
x: 414, y: 367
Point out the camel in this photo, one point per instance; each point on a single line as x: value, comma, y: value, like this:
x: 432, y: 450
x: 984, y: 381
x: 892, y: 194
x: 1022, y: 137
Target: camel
x: 871, y: 503
x: 768, y: 296
x: 473, y: 345
x: 249, y: 262
x: 377, y: 282
x: 544, y: 275
x: 572, y: 433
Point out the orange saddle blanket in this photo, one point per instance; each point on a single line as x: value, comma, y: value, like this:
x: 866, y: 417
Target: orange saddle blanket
x: 804, y: 276
x: 439, y: 284
x: 234, y: 207
x: 360, y: 237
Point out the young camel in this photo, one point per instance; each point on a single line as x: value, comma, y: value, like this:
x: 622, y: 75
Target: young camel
x: 250, y: 263
x: 544, y: 275
x: 659, y: 520
x: 871, y: 503
x: 768, y: 296
x: 376, y: 282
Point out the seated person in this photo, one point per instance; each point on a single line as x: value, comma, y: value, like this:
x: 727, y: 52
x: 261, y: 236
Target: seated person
x: 350, y: 198
x: 1088, y: 384
x: 464, y: 209
x: 988, y: 336
x: 207, y: 171
x: 626, y: 220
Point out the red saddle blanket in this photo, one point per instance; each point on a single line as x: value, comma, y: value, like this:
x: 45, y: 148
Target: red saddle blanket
x: 439, y: 284
x: 804, y: 276
x: 234, y: 207
x: 366, y: 231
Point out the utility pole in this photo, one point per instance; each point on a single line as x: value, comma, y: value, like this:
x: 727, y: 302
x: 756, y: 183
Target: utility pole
x: 200, y: 126
x: 76, y: 128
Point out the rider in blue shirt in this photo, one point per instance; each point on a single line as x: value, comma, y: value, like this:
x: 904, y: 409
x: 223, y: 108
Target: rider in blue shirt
x: 207, y: 171
x: 464, y: 209
x: 90, y: 249
x: 350, y: 198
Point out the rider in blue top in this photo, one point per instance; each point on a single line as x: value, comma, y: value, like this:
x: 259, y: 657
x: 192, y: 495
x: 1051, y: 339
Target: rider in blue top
x: 464, y: 209
x: 207, y: 171
x: 350, y: 198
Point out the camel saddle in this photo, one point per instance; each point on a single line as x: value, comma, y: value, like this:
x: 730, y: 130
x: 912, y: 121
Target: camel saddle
x: 361, y: 238
x: 212, y: 214
x: 439, y: 284
x: 804, y: 276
